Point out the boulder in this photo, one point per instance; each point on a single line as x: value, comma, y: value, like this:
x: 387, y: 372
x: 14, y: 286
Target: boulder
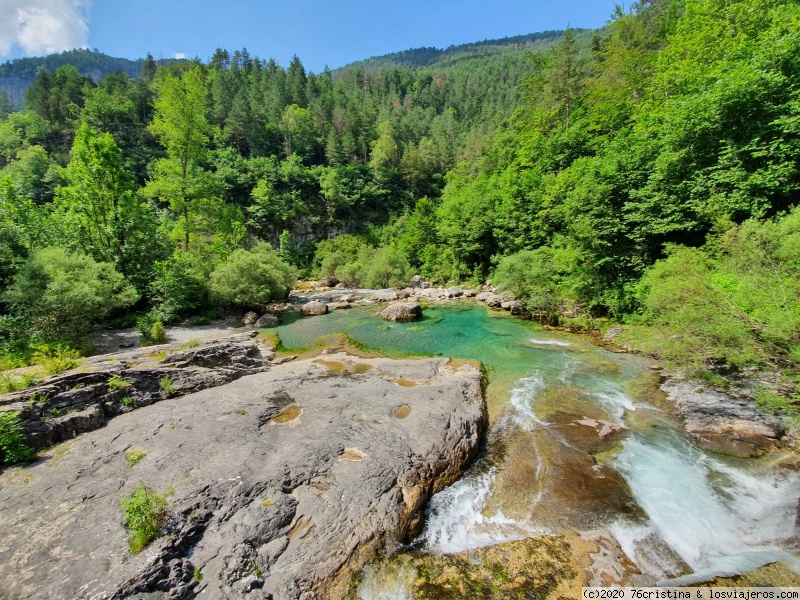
x: 314, y: 308
x: 514, y: 306
x: 402, y: 311
x: 490, y: 298
x: 339, y: 306
x: 279, y: 485
x: 249, y: 318
x: 406, y: 293
x: 419, y: 282
x: 723, y: 424
x: 328, y: 282
x: 454, y: 292
x: 384, y: 296
x: 340, y: 286
x: 267, y: 320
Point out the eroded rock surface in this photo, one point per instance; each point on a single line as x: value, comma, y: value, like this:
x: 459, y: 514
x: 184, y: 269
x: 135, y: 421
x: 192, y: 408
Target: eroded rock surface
x: 284, y: 482
x: 86, y: 398
x: 722, y: 423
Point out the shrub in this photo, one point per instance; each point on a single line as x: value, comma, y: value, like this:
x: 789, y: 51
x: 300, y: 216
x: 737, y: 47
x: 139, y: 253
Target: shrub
x: 178, y: 287
x: 61, y: 295
x: 533, y: 277
x: 157, y: 333
x: 12, y: 442
x: 248, y: 279
x: 145, y: 514
x: 388, y: 267
x: 55, y: 359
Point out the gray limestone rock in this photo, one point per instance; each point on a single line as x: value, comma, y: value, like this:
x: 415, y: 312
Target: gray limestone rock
x: 282, y: 484
x: 314, y: 308
x: 402, y: 311
x: 267, y: 320
x: 722, y: 423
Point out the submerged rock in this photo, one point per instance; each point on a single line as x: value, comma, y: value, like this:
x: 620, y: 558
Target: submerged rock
x: 402, y: 311
x: 281, y: 484
x: 314, y: 308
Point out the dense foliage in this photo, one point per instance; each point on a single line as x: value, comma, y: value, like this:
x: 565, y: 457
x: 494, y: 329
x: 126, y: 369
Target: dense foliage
x: 644, y: 172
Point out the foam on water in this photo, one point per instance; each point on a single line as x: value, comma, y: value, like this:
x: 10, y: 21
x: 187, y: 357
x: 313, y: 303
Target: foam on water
x: 716, y: 517
x: 522, y: 396
x: 541, y: 342
x: 456, y: 521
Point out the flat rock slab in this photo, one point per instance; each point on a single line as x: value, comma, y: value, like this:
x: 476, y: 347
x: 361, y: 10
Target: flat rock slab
x: 722, y: 423
x: 281, y: 483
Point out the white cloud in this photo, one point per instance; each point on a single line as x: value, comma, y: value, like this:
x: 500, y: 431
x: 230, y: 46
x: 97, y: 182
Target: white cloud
x: 179, y: 55
x: 36, y: 27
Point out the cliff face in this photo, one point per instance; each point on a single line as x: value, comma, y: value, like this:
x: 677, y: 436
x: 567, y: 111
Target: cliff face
x: 278, y: 484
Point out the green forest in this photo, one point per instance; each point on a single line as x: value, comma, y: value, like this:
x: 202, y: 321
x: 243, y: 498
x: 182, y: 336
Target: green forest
x: 646, y: 173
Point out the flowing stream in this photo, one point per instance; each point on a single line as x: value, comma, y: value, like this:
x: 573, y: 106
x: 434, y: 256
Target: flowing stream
x: 677, y: 511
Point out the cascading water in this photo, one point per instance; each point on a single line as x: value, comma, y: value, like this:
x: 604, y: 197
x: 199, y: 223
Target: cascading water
x: 714, y: 516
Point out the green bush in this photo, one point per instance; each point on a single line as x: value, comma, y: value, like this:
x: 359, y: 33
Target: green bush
x: 55, y: 359
x: 388, y: 267
x: 534, y: 277
x: 158, y: 334
x: 12, y: 442
x: 145, y: 514
x: 61, y: 295
x: 248, y: 279
x: 179, y: 286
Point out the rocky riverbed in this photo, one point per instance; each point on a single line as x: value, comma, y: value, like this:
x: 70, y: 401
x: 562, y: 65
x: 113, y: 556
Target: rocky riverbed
x: 280, y: 484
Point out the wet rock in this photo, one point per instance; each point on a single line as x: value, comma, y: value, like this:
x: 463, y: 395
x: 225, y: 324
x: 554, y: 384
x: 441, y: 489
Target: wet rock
x: 314, y: 308
x: 402, y: 311
x: 520, y: 570
x: 267, y: 320
x: 722, y: 423
x: 249, y: 318
x: 259, y: 503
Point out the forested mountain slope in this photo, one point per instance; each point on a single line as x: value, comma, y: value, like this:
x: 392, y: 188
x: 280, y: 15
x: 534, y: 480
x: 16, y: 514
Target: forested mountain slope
x: 646, y: 172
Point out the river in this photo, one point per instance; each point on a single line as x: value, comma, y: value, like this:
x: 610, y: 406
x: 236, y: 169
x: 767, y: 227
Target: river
x: 579, y: 441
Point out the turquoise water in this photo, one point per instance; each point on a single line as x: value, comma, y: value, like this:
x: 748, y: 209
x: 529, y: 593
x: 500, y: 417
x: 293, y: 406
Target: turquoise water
x: 716, y: 515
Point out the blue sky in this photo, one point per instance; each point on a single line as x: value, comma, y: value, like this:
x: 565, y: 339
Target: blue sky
x: 332, y: 32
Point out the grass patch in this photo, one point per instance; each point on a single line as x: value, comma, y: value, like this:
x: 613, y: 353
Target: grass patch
x: 12, y: 441
x: 55, y: 359
x: 198, y: 576
x: 19, y: 382
x: 118, y: 383
x: 134, y: 457
x: 166, y: 384
x: 193, y: 343
x: 145, y: 514
x: 127, y: 401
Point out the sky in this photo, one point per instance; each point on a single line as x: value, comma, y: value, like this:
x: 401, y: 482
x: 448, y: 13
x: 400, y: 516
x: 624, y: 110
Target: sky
x: 320, y: 32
